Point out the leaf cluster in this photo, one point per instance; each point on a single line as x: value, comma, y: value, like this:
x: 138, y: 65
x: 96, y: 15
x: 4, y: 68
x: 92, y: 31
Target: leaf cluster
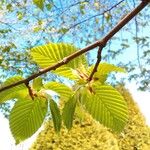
x: 35, y: 100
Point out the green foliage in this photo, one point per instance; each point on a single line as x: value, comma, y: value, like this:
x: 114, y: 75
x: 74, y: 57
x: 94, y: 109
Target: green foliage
x: 56, y: 116
x: 37, y: 83
x: 52, y: 53
x: 61, y: 89
x: 68, y: 112
x: 89, y: 135
x: 107, y: 106
x: 26, y: 117
x: 19, y: 91
x: 96, y: 97
x: 103, y: 70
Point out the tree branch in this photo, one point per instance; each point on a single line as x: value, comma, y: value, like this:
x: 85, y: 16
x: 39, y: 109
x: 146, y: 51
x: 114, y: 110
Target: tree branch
x: 30, y: 90
x: 91, y: 17
x: 100, y: 43
x: 97, y: 63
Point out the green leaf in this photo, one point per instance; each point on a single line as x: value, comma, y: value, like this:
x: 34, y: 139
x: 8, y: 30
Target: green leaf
x: 65, y: 72
x: 55, y: 115
x: 68, y: 112
x: 19, y: 91
x: 39, y: 3
x: 26, y: 117
x: 52, y: 53
x: 37, y: 83
x: 64, y: 91
x: 107, y: 106
x: 104, y: 69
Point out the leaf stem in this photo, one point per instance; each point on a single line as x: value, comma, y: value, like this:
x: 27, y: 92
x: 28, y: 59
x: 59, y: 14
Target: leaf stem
x: 30, y: 90
x: 99, y: 56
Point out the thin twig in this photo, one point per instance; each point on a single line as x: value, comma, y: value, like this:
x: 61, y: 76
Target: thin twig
x: 30, y: 90
x: 87, y: 19
x: 99, y: 56
x: 101, y: 43
x: 10, y: 26
x: 136, y: 39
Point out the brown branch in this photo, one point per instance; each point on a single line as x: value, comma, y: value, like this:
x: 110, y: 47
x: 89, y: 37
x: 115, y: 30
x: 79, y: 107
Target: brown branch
x: 97, y: 63
x: 30, y: 90
x: 100, y: 43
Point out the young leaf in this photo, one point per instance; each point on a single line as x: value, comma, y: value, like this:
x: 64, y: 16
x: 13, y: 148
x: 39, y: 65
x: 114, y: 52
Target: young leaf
x: 37, y: 83
x: 26, y: 117
x: 68, y: 112
x: 64, y: 91
x: 19, y: 91
x: 103, y: 71
x: 55, y: 115
x: 108, y: 107
x: 39, y: 3
x: 52, y: 53
x: 66, y: 72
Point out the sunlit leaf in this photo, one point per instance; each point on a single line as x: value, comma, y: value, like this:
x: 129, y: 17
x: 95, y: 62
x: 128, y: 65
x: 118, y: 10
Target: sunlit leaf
x: 52, y: 53
x: 66, y: 72
x: 19, y: 91
x: 27, y: 117
x: 107, y: 106
x: 64, y: 91
x: 37, y: 83
x: 55, y: 115
x: 103, y: 71
x: 68, y: 112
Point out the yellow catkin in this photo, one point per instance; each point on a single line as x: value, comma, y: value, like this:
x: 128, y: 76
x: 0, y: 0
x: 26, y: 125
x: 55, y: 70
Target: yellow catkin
x: 90, y: 135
